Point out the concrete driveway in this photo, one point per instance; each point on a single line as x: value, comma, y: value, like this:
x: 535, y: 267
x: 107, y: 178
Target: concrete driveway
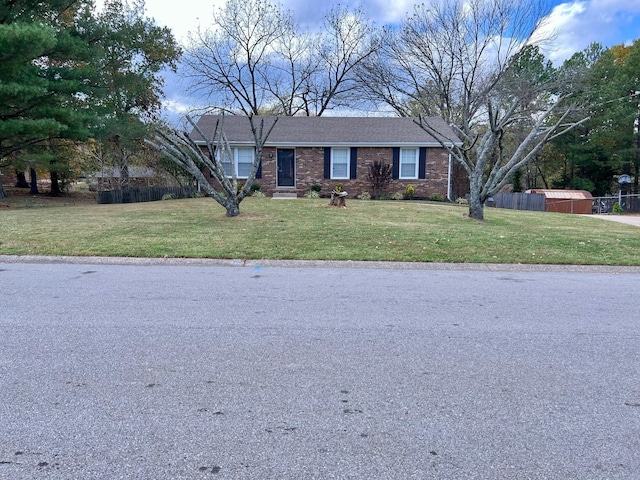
x: 627, y: 219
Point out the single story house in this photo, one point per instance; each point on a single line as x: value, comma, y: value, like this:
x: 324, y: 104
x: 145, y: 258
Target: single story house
x: 326, y: 151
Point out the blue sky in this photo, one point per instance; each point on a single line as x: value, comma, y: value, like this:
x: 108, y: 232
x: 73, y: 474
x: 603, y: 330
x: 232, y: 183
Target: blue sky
x: 576, y: 24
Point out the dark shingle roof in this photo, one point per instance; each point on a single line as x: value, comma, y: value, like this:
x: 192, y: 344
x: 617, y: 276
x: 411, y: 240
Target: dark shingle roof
x: 330, y: 131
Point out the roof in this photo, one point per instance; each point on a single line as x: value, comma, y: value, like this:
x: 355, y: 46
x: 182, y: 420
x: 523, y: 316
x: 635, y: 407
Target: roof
x: 563, y: 194
x: 331, y: 131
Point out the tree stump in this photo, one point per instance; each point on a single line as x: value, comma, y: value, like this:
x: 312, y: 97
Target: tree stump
x: 338, y: 199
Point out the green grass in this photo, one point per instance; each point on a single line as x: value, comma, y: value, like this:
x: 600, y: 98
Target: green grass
x: 309, y: 229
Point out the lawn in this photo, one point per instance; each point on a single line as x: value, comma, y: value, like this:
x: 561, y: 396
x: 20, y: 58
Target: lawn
x: 309, y: 229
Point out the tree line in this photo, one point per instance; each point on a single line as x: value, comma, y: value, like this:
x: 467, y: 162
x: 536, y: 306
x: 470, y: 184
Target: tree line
x: 522, y: 120
x: 77, y: 84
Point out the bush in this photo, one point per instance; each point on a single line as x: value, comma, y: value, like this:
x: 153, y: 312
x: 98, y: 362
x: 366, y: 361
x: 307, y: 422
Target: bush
x: 255, y: 187
x: 436, y: 197
x: 379, y: 176
x: 316, y: 188
x: 462, y: 201
x: 617, y: 208
x: 364, y: 196
x: 397, y: 196
x: 312, y: 194
x: 383, y: 196
x: 258, y: 194
x: 409, y: 192
x: 338, y: 188
x: 168, y: 196
x: 197, y: 194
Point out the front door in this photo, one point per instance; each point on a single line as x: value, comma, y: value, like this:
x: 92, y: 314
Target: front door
x: 286, y: 167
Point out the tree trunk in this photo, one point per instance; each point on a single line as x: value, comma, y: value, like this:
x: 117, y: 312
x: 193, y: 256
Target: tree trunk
x: 55, y: 184
x: 476, y: 206
x: 233, y: 207
x: 34, y: 181
x: 2, y: 194
x: 21, y: 181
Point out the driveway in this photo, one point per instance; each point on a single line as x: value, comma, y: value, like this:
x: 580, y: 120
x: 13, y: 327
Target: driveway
x: 627, y: 219
x: 264, y: 372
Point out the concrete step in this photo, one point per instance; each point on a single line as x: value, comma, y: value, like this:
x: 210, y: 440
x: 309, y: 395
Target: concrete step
x: 284, y: 195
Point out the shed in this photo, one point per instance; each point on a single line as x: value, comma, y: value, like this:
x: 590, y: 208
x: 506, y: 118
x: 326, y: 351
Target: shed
x: 566, y: 201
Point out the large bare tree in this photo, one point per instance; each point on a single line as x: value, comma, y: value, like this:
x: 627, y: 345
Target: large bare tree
x: 182, y: 149
x: 472, y: 63
x: 256, y: 60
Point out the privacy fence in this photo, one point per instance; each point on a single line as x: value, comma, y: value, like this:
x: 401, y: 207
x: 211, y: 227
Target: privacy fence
x: 150, y: 194
x: 520, y: 201
x: 538, y: 202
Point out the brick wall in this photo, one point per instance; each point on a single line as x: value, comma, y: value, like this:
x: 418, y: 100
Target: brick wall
x: 310, y: 171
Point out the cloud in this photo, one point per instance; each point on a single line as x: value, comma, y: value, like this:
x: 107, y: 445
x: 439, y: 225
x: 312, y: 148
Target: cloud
x: 575, y: 25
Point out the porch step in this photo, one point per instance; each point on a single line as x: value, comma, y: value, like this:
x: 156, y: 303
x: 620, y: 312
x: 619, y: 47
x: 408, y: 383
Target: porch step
x: 284, y: 195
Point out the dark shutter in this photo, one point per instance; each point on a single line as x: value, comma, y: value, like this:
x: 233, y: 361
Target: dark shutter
x: 422, y: 165
x: 395, y: 169
x: 259, y: 172
x: 327, y: 163
x: 353, y: 165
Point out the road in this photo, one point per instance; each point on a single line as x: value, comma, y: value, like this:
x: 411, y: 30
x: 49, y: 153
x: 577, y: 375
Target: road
x: 271, y: 372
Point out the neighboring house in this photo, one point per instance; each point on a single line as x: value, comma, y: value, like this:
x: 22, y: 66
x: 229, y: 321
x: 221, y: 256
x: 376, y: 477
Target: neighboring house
x: 326, y: 151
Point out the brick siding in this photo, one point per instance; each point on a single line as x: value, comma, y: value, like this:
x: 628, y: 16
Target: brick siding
x: 310, y: 171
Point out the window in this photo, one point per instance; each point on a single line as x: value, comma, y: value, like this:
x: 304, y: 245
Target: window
x: 409, y: 163
x: 340, y: 163
x: 242, y: 159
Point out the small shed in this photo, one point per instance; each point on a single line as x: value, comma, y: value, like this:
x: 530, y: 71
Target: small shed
x: 566, y: 201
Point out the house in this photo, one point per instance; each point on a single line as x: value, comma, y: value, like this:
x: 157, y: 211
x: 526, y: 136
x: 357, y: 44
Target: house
x: 326, y: 151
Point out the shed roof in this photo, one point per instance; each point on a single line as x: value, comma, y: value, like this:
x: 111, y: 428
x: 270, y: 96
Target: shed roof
x: 563, y: 194
x: 332, y: 131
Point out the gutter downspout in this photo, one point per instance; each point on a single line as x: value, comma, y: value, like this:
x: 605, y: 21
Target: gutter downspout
x: 449, y: 180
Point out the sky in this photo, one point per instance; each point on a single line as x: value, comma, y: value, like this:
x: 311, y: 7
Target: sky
x: 576, y: 24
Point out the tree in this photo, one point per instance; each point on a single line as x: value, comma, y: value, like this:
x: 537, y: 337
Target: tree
x: 606, y: 145
x: 181, y: 149
x: 132, y: 53
x: 256, y: 60
x: 473, y: 64
x: 45, y: 62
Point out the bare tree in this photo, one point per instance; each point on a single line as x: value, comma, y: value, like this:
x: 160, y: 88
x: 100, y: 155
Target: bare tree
x: 470, y: 62
x: 229, y: 64
x: 256, y: 60
x: 181, y: 149
x: 347, y: 41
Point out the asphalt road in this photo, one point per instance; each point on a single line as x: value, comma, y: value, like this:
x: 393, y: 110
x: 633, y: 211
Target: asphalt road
x: 326, y: 372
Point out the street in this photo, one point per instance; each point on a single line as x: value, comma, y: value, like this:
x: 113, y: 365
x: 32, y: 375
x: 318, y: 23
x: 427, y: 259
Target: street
x: 277, y: 372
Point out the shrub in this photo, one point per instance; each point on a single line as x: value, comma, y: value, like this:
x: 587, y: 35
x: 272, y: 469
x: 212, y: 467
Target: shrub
x: 316, y: 188
x: 383, y: 196
x: 255, y: 187
x: 312, y: 194
x: 364, y: 196
x: 379, y: 176
x: 397, y: 196
x: 617, y: 208
x: 197, y: 194
x: 338, y: 188
x: 409, y: 192
x: 436, y: 197
x: 168, y: 196
x: 258, y: 194
x: 462, y: 201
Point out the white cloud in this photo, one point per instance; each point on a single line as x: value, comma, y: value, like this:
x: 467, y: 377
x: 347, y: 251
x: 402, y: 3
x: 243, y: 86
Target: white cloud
x: 575, y: 25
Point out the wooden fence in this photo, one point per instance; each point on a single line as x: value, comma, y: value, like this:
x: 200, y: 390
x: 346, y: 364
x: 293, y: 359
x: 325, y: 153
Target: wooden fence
x: 151, y: 194
x: 520, y: 201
